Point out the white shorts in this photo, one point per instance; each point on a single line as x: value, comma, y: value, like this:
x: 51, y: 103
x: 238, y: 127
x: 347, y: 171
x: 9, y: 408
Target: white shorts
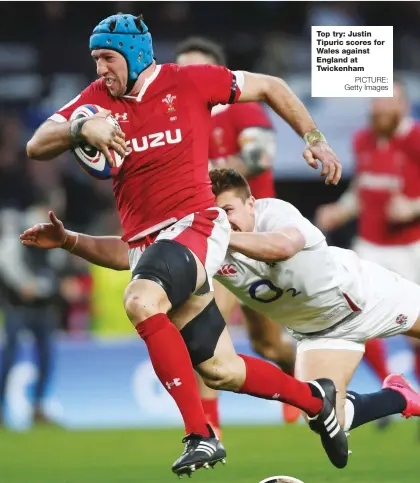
x: 402, y: 259
x: 392, y: 307
x: 206, y: 233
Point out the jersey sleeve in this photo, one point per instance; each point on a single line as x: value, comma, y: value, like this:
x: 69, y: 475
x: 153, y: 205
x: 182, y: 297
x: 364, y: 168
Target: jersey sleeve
x: 87, y: 96
x: 274, y: 215
x: 216, y: 84
x: 250, y: 114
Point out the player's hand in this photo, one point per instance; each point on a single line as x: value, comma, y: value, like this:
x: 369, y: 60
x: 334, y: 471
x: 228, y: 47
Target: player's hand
x: 45, y: 235
x: 401, y: 209
x: 101, y: 134
x: 331, y: 166
x: 328, y: 217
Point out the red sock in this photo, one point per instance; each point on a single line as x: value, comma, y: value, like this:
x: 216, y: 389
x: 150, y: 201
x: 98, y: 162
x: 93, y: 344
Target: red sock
x: 211, y: 410
x: 375, y: 356
x: 417, y: 362
x: 267, y: 381
x: 172, y: 365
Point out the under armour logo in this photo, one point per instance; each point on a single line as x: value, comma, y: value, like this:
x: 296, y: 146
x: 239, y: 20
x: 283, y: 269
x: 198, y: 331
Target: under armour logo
x: 121, y: 117
x: 276, y: 396
x: 175, y: 382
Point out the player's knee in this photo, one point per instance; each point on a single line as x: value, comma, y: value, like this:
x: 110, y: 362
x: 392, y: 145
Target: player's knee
x: 220, y: 379
x: 223, y: 375
x: 169, y: 266
x: 142, y: 300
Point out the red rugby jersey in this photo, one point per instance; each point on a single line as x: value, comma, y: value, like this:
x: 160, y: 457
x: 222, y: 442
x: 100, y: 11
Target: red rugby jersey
x: 227, y: 124
x: 165, y: 177
x: 384, y: 168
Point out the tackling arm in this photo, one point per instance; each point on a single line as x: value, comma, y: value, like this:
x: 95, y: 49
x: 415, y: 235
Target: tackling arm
x: 270, y: 246
x: 105, y: 251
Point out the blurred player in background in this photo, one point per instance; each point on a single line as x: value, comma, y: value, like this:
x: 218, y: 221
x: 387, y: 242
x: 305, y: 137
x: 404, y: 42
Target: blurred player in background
x: 385, y: 196
x: 242, y: 138
x: 177, y: 237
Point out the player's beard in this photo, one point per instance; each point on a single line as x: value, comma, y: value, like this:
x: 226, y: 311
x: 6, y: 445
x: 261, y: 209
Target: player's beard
x: 385, y: 125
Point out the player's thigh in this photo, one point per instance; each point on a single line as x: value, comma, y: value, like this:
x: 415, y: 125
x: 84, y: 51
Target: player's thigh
x: 267, y: 337
x: 190, y: 310
x: 167, y: 272
x: 414, y: 333
x: 414, y: 342
x: 403, y: 260
x: 206, y: 234
x: 208, y: 342
x: 225, y: 300
x: 339, y: 365
x: 202, y: 327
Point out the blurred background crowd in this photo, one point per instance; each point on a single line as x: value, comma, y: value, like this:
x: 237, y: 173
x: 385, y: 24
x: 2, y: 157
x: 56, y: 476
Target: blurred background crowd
x: 46, y: 62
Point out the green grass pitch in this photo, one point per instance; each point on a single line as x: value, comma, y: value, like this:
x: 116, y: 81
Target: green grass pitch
x: 53, y: 455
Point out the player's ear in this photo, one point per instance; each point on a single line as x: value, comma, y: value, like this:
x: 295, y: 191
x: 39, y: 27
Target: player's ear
x: 251, y: 203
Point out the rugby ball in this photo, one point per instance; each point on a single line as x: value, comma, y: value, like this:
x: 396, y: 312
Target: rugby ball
x: 88, y: 157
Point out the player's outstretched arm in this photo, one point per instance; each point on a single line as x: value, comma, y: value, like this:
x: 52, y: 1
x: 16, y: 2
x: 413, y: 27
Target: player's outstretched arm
x: 105, y: 251
x: 269, y: 246
x: 278, y: 95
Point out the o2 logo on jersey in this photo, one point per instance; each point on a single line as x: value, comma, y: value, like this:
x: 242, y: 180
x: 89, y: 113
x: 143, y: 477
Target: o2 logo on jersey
x: 265, y: 291
x: 155, y: 140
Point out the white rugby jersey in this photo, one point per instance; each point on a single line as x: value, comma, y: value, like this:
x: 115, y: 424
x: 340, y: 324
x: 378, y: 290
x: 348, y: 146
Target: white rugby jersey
x: 313, y: 290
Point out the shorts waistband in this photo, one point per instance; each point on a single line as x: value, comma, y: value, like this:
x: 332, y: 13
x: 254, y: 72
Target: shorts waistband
x: 147, y: 239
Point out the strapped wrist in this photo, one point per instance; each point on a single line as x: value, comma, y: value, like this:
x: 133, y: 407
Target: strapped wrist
x: 76, y: 127
x: 313, y: 137
x: 70, y: 241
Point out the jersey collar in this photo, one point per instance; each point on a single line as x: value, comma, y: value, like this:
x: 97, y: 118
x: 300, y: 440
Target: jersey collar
x: 146, y: 84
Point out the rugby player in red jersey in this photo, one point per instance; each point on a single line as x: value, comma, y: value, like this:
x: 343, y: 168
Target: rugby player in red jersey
x: 177, y: 237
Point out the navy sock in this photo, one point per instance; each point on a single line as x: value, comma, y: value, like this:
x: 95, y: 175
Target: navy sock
x: 369, y: 407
